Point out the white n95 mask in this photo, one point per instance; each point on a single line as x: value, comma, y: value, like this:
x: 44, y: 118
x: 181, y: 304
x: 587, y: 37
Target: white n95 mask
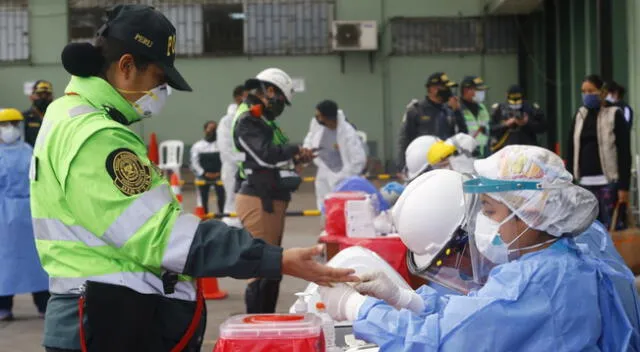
x: 152, y: 102
x: 488, y: 240
x: 490, y: 243
x: 9, y: 134
x: 479, y: 97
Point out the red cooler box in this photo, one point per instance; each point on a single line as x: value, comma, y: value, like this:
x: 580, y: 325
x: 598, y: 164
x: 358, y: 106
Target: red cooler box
x: 334, y: 209
x: 271, y: 333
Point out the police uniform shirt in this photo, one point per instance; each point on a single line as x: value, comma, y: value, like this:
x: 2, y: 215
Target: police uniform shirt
x: 32, y: 123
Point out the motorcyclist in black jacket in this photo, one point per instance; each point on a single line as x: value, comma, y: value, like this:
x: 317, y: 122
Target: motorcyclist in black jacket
x: 267, y: 176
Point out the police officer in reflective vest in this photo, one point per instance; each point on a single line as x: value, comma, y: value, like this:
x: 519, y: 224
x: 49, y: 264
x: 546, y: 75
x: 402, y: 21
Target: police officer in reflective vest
x: 438, y: 114
x: 120, y: 252
x: 41, y: 97
x: 516, y: 122
x: 476, y: 116
x: 267, y: 176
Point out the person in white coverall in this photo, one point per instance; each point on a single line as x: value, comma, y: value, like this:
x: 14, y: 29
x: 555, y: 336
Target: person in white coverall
x: 228, y: 156
x: 340, y: 151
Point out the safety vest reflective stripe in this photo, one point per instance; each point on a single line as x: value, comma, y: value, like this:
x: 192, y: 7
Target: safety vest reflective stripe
x: 258, y: 160
x: 47, y: 124
x: 175, y: 255
x: 137, y: 214
x: 177, y: 249
x: 81, y: 110
x: 55, y: 230
x: 141, y: 282
x: 120, y: 231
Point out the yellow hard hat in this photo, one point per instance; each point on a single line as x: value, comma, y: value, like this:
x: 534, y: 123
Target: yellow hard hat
x: 439, y: 151
x: 10, y: 115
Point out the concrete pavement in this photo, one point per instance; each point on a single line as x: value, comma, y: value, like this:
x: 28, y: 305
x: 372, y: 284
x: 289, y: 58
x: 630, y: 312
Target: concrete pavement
x: 25, y: 333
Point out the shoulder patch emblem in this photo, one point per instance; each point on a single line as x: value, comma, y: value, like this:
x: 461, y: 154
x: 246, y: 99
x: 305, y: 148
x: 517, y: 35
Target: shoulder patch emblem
x: 535, y: 105
x: 128, y: 172
x: 425, y: 118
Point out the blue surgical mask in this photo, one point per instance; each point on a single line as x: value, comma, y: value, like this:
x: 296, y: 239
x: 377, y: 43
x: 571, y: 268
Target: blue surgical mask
x: 591, y: 101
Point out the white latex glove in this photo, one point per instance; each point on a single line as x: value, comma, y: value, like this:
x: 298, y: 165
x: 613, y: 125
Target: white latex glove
x: 342, y: 301
x: 377, y: 284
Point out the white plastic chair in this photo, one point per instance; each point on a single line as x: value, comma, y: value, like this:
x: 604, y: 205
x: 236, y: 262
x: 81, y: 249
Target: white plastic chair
x: 363, y: 136
x: 171, y: 153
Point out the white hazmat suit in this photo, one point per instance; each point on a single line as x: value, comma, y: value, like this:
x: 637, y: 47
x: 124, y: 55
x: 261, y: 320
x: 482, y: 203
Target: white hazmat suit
x: 230, y: 159
x: 350, y: 150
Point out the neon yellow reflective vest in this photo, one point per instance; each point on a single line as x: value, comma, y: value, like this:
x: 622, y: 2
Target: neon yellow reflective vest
x: 101, y: 211
x: 473, y: 124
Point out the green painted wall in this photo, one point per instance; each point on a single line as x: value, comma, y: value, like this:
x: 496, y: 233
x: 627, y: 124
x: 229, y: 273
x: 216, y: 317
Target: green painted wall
x: 576, y: 47
x: 373, y: 101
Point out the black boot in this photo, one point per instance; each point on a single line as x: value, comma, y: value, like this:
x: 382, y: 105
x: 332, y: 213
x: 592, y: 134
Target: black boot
x: 261, y: 296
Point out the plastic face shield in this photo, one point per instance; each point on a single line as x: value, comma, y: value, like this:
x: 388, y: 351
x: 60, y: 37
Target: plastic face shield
x: 481, y: 265
x: 451, y: 268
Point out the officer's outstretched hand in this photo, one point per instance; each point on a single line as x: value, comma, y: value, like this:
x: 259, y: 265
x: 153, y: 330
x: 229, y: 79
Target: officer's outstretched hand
x: 300, y: 262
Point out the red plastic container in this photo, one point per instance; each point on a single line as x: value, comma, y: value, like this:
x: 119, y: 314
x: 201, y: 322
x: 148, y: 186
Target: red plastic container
x: 334, y: 207
x: 271, y: 333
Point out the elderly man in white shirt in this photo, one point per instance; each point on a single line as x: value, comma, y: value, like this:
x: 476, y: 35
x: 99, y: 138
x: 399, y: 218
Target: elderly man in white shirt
x: 340, y: 151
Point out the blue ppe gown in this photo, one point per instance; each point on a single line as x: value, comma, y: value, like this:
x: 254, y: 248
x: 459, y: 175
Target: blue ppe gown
x: 556, y: 299
x: 20, y: 268
x: 601, y: 246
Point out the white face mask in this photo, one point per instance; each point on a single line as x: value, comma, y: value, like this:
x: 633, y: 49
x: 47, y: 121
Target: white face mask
x: 9, y: 134
x: 462, y: 164
x: 610, y: 98
x: 479, y: 97
x: 515, y: 106
x: 490, y: 243
x: 152, y: 102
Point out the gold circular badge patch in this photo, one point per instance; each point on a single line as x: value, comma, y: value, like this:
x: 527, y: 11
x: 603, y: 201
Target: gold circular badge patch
x: 129, y: 174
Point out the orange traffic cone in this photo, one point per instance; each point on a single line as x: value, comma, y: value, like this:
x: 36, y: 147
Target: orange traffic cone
x: 153, y: 149
x: 175, y: 187
x: 211, y: 290
x: 199, y: 211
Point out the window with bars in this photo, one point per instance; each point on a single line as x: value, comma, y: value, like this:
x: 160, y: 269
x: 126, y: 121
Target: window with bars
x: 432, y: 35
x: 227, y: 27
x: 14, y: 30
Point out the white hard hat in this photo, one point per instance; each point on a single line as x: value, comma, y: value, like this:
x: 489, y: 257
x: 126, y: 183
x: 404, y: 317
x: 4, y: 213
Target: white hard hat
x: 429, y: 212
x: 465, y: 147
x: 274, y: 76
x: 464, y: 143
x: 416, y: 155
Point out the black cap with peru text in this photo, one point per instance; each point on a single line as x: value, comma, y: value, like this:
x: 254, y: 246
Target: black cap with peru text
x: 440, y: 78
x: 147, y: 32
